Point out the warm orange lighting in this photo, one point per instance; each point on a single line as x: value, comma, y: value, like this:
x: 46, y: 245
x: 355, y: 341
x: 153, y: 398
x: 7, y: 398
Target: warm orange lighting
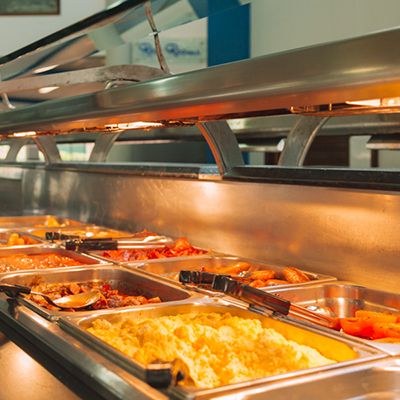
x: 386, y: 102
x: 134, y: 125
x: 24, y: 134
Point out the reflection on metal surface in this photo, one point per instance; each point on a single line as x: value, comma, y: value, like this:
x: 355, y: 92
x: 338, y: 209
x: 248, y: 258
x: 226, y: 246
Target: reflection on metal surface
x: 102, y: 146
x: 384, y: 142
x: 320, y: 229
x: 44, y: 69
x: 47, y: 145
x: 47, y: 89
x: 371, y: 381
x: 311, y: 77
x: 223, y: 145
x: 24, y: 134
x: 388, y: 102
x: 299, y: 140
x: 22, y: 377
x: 100, y: 75
x: 134, y: 125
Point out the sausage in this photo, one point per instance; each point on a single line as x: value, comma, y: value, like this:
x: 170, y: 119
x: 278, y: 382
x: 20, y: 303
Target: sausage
x: 234, y: 269
x: 293, y: 275
x: 264, y: 275
x: 257, y: 283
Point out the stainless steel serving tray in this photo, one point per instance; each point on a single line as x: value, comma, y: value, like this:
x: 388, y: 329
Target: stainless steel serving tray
x: 344, y: 299
x: 161, y: 374
x: 84, y: 259
x: 5, y: 234
x: 379, y: 380
x: 169, y: 269
x: 26, y: 221
x: 98, y: 254
x: 129, y: 282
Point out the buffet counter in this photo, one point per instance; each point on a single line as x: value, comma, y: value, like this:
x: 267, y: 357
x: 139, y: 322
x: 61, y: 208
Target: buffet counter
x: 151, y: 333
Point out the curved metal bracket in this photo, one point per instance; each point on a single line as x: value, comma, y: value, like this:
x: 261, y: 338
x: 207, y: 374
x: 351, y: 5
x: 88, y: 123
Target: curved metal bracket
x: 223, y: 145
x: 15, y: 147
x: 47, y: 145
x: 299, y: 140
x: 102, y: 147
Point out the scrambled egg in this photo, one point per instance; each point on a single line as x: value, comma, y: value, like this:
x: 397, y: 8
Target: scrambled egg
x: 211, y: 349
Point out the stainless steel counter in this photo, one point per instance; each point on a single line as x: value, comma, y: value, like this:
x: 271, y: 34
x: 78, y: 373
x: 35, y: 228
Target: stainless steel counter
x: 24, y: 378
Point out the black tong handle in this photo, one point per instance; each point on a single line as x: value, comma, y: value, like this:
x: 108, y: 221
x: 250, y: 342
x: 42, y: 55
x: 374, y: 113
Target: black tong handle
x: 197, y: 277
x: 14, y: 290
x: 91, y: 245
x: 234, y: 288
x: 52, y: 236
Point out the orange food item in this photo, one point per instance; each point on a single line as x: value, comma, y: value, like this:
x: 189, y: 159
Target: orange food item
x: 294, y: 275
x: 386, y: 330
x: 180, y: 248
x: 18, y: 262
x: 357, y: 327
x: 263, y: 275
x: 372, y: 325
x: 15, y: 239
x: 374, y: 316
x: 257, y: 283
x: 233, y: 269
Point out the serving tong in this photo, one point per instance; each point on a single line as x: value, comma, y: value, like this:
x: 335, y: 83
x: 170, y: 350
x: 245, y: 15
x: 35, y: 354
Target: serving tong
x: 77, y: 243
x: 234, y: 288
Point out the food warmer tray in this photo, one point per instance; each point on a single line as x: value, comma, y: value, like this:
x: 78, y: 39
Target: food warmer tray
x: 98, y: 254
x: 82, y: 258
x: 344, y: 299
x: 161, y: 375
x: 377, y: 380
x: 168, y: 269
x: 33, y: 220
x: 118, y: 278
x: 5, y: 234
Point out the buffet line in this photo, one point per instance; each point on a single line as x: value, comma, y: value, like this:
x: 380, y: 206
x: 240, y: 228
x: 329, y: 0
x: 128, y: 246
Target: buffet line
x: 185, y: 322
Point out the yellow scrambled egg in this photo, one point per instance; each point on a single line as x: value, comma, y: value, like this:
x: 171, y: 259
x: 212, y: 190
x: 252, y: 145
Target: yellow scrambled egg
x: 211, y: 349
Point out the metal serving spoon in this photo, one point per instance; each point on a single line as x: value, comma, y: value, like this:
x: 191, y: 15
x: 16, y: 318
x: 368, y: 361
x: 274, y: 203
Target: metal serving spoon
x: 80, y: 300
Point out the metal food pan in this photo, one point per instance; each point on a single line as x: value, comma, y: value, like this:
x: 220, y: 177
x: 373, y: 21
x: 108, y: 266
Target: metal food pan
x: 99, y: 254
x: 377, y: 380
x: 84, y: 259
x: 26, y: 221
x: 170, y: 269
x: 345, y: 351
x: 5, y: 235
x: 128, y: 282
x: 344, y: 299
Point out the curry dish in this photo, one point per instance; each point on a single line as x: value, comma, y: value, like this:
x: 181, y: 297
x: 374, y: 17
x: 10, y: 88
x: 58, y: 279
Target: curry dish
x: 20, y: 262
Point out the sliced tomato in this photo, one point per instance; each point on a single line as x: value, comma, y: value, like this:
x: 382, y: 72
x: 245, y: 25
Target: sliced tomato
x: 386, y: 330
x: 374, y: 316
x: 357, y: 327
